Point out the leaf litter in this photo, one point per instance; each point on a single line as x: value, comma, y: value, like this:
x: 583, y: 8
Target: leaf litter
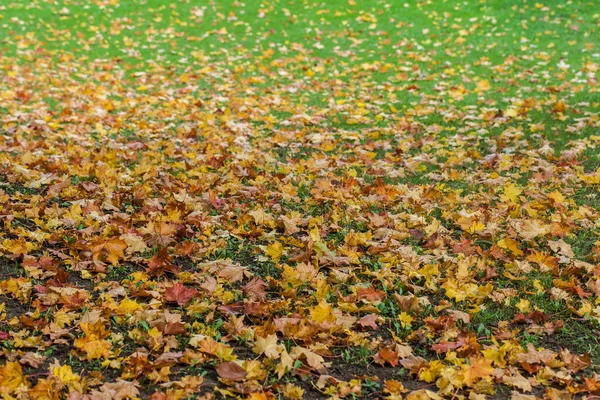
x: 275, y: 200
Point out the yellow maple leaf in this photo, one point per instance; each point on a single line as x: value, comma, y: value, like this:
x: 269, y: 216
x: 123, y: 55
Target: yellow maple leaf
x: 285, y: 365
x: 476, y: 227
x: 313, y: 359
x: 115, y: 249
x: 128, y: 307
x: 478, y: 368
x: 496, y: 355
x: 511, y: 193
x: 431, y: 372
x: 66, y: 375
x: 267, y: 346
x: 483, y: 85
x: 557, y: 197
x: 322, y: 312
x: 135, y: 244
x: 293, y: 392
x: 11, y: 376
x: 523, y: 305
x: 510, y: 244
x: 405, y: 319
x: 275, y: 250
x: 96, y: 349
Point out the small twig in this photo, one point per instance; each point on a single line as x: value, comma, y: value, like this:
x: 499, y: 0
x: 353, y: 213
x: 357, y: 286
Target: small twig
x: 455, y: 393
x: 39, y: 374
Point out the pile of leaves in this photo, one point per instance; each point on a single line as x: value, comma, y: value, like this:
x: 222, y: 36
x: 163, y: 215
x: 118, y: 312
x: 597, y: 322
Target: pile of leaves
x: 352, y: 212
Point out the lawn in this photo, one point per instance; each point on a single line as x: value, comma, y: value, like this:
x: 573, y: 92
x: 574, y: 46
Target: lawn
x: 295, y: 199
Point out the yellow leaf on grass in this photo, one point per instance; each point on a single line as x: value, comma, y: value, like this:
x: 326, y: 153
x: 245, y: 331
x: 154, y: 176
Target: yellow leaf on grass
x: 128, y: 307
x: 510, y: 244
x: 405, y: 319
x: 511, y: 193
x: 322, y: 313
x: 523, y: 305
x: 275, y: 250
x: 115, y: 249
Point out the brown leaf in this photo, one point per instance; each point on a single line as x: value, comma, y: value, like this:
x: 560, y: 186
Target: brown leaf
x: 231, y: 371
x: 414, y: 364
x: 32, y: 359
x: 407, y: 303
x: 574, y: 362
x: 174, y: 328
x: 160, y: 263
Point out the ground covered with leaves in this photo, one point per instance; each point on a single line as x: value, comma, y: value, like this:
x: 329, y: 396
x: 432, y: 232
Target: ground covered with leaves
x: 297, y: 199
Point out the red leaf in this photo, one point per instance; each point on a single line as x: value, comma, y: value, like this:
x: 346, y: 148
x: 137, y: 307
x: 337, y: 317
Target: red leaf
x: 368, y: 321
x: 179, y: 294
x: 386, y: 355
x: 256, y: 289
x: 174, y: 328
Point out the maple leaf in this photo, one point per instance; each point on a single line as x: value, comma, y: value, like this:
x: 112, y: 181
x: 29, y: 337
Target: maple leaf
x: 66, y: 375
x: 32, y: 359
x: 113, y: 248
x: 370, y: 294
x: 386, y: 355
x: 11, y: 376
x: 135, y: 244
x: 530, y: 229
x: 256, y: 289
x: 128, y: 307
x: 534, y: 356
x: 290, y: 225
x: 232, y: 371
x: 405, y: 319
x: 275, y: 250
x: 267, y: 346
x: 260, y: 216
x: 174, y: 328
x: 313, y: 359
x: 369, y: 320
x: 118, y: 390
x: 478, y: 368
x: 575, y: 363
x: 179, y: 294
x: 95, y: 349
x: 510, y: 244
x: 511, y: 193
x: 285, y: 365
x: 517, y: 380
x: 160, y: 263
x: 322, y: 313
